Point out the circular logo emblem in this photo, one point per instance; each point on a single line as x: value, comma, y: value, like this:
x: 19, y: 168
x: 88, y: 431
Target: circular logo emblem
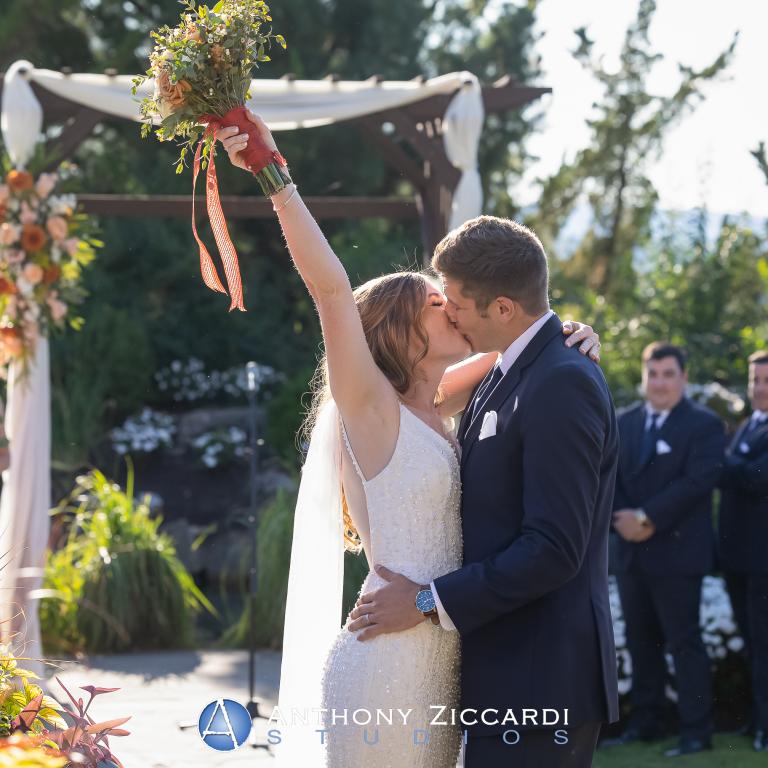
x: 224, y: 725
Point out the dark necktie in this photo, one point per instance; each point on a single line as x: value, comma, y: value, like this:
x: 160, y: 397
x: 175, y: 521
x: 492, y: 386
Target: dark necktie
x: 482, y: 396
x: 650, y: 436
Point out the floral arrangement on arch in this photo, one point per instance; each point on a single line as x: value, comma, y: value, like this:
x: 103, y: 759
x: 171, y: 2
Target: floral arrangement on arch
x: 44, y: 245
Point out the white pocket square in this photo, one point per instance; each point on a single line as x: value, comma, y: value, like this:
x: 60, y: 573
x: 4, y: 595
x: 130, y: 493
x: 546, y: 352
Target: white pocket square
x: 489, y: 425
x: 662, y: 447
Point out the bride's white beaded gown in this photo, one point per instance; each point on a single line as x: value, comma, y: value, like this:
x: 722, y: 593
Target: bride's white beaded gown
x: 415, y: 529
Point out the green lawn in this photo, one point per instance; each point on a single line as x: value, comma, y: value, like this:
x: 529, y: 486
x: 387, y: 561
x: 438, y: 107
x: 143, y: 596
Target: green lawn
x: 730, y: 751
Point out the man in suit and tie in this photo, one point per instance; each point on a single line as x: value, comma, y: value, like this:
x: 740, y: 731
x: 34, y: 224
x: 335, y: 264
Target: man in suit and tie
x: 743, y: 538
x: 539, y: 451
x: 670, y: 461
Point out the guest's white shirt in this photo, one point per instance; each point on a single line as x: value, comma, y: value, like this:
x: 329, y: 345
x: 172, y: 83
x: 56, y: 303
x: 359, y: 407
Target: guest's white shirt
x: 649, y: 411
x: 505, y: 362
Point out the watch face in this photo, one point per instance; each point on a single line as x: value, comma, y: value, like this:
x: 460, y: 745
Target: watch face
x: 425, y: 601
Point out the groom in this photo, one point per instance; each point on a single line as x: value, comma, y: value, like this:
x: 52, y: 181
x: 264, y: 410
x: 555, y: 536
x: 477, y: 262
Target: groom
x: 539, y: 450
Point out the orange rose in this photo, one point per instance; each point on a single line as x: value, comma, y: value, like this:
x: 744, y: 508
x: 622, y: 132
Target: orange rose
x: 217, y: 54
x: 20, y: 181
x: 173, y: 95
x: 57, y: 227
x: 7, y: 288
x: 33, y: 273
x: 51, y: 274
x: 33, y: 238
x: 193, y: 33
x: 11, y: 341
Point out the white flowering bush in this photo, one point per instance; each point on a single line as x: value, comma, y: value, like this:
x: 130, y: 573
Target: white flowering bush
x: 189, y: 382
x: 220, y: 447
x: 730, y: 406
x: 147, y: 432
x: 718, y: 627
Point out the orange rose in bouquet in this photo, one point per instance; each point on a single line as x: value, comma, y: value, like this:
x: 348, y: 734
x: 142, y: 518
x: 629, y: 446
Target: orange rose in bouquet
x: 19, y: 181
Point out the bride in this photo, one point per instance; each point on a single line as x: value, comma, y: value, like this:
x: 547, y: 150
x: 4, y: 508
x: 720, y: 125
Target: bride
x: 381, y: 475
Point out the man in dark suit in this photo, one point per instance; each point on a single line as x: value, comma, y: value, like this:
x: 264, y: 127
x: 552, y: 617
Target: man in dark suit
x: 539, y: 451
x: 743, y: 534
x: 670, y: 461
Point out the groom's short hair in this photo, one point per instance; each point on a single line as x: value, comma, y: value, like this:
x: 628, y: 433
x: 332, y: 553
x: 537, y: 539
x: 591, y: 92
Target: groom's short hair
x: 492, y: 257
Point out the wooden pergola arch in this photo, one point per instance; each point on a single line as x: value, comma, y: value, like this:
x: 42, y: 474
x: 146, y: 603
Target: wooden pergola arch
x: 409, y: 138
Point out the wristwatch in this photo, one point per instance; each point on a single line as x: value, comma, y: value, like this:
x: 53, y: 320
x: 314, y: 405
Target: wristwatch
x: 425, y: 603
x: 642, y: 518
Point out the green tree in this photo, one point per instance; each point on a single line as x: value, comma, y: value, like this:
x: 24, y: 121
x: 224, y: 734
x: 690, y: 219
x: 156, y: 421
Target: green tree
x: 627, y: 134
x: 708, y: 297
x: 762, y: 160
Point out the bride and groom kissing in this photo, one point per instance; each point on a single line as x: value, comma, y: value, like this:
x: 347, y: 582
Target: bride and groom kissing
x: 490, y: 586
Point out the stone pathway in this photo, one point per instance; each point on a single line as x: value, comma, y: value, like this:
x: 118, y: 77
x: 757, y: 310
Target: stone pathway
x: 163, y: 690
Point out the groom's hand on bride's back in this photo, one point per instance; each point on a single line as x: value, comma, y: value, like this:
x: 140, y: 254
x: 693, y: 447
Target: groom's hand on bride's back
x: 391, y: 608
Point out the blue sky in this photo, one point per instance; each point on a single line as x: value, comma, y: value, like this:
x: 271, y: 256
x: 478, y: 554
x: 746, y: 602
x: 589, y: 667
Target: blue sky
x: 706, y: 158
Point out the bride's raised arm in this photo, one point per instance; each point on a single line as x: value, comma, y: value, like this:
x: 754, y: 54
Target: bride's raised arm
x: 361, y: 391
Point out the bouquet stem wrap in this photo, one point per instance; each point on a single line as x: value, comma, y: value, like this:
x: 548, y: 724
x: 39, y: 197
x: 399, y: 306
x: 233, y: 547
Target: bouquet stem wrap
x: 269, y: 168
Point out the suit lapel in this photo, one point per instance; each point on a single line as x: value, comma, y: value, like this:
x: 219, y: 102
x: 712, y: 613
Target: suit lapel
x: 633, y: 445
x: 510, y: 380
x: 674, y: 416
x: 466, y: 416
x: 739, y: 436
x: 753, y: 437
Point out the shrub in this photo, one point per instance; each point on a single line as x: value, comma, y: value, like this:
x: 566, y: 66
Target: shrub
x: 117, y: 583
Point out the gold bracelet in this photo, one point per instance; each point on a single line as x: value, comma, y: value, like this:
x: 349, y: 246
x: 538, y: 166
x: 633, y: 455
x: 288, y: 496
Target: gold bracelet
x: 290, y: 197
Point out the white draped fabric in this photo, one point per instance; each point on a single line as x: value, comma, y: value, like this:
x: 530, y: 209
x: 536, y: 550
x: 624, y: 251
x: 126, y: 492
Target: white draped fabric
x: 462, y: 126
x: 284, y: 105
x: 25, y: 505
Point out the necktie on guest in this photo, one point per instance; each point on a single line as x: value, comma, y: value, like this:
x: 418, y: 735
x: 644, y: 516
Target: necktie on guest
x: 650, y: 436
x: 757, y: 420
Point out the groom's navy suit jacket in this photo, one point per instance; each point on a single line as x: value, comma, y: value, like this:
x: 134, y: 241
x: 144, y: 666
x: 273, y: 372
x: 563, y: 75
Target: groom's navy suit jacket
x: 531, y: 600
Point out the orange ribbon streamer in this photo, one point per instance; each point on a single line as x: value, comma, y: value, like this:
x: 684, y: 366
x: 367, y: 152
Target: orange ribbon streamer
x: 220, y: 232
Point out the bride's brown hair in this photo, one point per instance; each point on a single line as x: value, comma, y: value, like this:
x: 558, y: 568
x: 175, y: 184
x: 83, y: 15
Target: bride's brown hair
x: 390, y: 310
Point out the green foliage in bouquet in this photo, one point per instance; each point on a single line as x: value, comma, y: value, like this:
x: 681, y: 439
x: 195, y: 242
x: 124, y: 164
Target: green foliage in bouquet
x: 117, y: 584
x: 203, y: 67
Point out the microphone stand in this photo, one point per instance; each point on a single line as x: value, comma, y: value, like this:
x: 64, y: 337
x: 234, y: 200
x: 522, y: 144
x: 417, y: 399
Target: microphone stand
x: 251, y: 370
x: 253, y: 705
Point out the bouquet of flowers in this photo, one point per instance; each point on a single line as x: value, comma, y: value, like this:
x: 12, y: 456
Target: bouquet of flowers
x: 202, y: 74
x: 43, y: 249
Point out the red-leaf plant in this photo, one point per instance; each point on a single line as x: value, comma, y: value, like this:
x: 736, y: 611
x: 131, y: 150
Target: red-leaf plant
x: 85, y: 743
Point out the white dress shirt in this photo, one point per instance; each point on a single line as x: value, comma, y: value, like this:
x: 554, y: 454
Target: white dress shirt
x: 649, y: 411
x: 505, y: 362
